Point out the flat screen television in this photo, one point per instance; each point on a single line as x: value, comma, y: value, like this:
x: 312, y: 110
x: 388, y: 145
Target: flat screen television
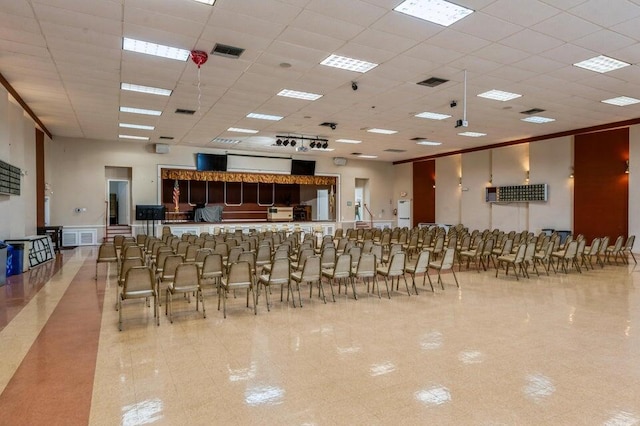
x: 149, y: 212
x: 211, y: 162
x: 303, y: 167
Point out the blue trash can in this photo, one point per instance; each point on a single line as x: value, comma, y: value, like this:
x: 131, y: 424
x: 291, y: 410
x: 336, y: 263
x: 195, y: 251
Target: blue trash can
x: 17, y: 258
x: 548, y: 231
x: 3, y: 263
x: 563, y: 235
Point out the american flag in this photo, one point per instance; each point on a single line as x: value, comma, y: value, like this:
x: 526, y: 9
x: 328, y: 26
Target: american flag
x: 176, y: 193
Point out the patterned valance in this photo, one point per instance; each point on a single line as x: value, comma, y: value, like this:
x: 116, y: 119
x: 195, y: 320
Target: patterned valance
x: 181, y: 174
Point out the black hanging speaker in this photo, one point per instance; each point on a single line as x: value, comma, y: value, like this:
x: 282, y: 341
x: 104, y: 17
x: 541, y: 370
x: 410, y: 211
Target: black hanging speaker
x: 150, y: 212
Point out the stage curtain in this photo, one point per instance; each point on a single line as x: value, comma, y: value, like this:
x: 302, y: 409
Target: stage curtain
x: 180, y: 174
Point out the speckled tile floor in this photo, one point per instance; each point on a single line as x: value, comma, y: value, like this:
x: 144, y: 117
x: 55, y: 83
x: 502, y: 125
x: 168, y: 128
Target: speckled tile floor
x: 554, y: 350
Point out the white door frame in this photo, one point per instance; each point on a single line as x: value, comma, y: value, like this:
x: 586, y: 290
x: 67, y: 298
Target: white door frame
x: 128, y: 199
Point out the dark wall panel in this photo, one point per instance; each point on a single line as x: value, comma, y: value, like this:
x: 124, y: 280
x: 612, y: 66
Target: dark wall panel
x: 424, y: 194
x: 40, y: 190
x: 601, y: 186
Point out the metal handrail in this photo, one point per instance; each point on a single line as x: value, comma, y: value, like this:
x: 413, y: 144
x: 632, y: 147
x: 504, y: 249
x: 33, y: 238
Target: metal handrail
x: 370, y: 215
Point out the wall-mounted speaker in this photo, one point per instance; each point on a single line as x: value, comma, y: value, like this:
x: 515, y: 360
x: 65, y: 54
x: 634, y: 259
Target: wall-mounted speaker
x: 162, y: 148
x: 339, y: 161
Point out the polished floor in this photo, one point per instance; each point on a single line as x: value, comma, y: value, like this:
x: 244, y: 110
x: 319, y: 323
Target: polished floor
x: 558, y: 350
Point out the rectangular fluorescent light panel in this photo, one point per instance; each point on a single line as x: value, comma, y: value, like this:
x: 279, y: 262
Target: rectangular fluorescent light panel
x: 136, y: 126
x: 539, y: 120
x: 439, y: 12
x: 299, y: 95
x: 433, y: 116
x: 240, y: 130
x: 154, y: 49
x: 366, y: 156
x: 499, y: 95
x: 211, y: 2
x: 264, y: 116
x: 472, y: 134
x: 383, y: 131
x: 621, y: 101
x: 348, y: 141
x: 429, y: 143
x: 349, y: 64
x: 139, y: 138
x: 601, y: 64
x: 140, y: 111
x: 226, y: 141
x: 145, y: 89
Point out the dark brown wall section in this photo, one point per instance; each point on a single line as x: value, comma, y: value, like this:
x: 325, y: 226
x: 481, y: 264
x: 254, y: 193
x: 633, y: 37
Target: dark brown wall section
x: 601, y: 187
x: 424, y: 194
x: 39, y: 178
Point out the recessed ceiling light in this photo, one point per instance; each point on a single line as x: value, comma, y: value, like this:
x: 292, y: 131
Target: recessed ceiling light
x: 429, y: 143
x: 382, y: 131
x: 154, y: 49
x: 349, y: 64
x: 601, y: 64
x: 145, y: 89
x: 439, y: 12
x: 539, y: 120
x: 140, y: 138
x: 140, y: 111
x: 621, y: 101
x: 499, y: 95
x: 136, y: 126
x: 264, y: 116
x: 299, y: 95
x: 348, y: 141
x: 240, y: 130
x: 225, y: 141
x: 432, y: 115
x: 211, y: 2
x: 472, y: 134
x: 366, y: 156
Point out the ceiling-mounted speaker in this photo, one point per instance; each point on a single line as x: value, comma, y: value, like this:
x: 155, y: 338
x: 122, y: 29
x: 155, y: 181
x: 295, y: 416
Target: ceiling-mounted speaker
x: 162, y: 148
x: 339, y: 161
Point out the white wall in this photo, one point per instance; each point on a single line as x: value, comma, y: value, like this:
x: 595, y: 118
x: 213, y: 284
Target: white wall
x: 476, y: 168
x: 508, y: 167
x: 551, y: 162
x: 448, y: 194
x: 634, y: 183
x: 17, y: 147
x: 403, y: 182
x: 80, y: 160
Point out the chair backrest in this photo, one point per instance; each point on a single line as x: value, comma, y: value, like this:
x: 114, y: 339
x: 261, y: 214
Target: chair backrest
x: 439, y: 245
x: 190, y: 253
x: 240, y: 274
x: 132, y: 252
x: 453, y: 241
x: 447, y: 259
x: 264, y: 254
x: 234, y: 254
x: 571, y: 250
x: 628, y: 246
x: 312, y: 268
x: 488, y: 247
x: 247, y: 256
x: 212, y: 265
x: 367, y: 245
x: 507, y: 246
x: 355, y: 253
x: 581, y: 245
x: 222, y: 249
x: 141, y: 239
x: 280, y: 271
x: 522, y: 248
x: 342, y: 268
x: 595, y: 246
x: 530, y: 251
x: 162, y: 255
x: 397, y: 264
x: 603, y: 245
x: 395, y: 248
x: 128, y: 264
x: 338, y: 233
x: 465, y: 242
x: 181, y: 248
x: 480, y: 248
x: 171, y: 262
x: 118, y: 240
x: 303, y: 254
x: 187, y: 276
x: 618, y: 244
x: 138, y: 278
x: 202, y: 254
x: 376, y: 250
x: 423, y: 262
x: 107, y: 251
x: 328, y: 258
x: 366, y: 265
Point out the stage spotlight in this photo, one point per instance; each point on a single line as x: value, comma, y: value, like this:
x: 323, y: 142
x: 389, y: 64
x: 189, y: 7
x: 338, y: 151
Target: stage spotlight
x: 312, y: 144
x: 293, y: 142
x: 279, y: 142
x: 325, y: 145
x: 286, y: 142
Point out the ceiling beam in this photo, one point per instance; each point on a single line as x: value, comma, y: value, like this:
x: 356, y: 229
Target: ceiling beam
x: 24, y: 105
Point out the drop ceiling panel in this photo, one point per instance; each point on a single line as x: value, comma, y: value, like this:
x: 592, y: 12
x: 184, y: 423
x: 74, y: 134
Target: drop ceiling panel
x: 521, y: 12
x: 71, y: 18
x: 317, y: 23
x: 602, y: 13
x: 487, y: 27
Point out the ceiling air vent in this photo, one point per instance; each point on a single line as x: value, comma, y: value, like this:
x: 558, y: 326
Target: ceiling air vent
x: 532, y: 111
x: 329, y: 124
x: 432, y: 82
x: 227, y: 51
x: 356, y: 153
x: 395, y: 150
x: 170, y: 138
x: 418, y: 139
x: 185, y: 111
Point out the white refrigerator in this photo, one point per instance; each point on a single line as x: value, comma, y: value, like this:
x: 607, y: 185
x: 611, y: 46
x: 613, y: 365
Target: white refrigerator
x: 404, y: 213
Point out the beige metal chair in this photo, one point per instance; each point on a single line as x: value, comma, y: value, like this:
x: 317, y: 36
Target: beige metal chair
x: 138, y: 284
x: 394, y: 269
x: 124, y: 268
x: 516, y: 260
x: 365, y: 270
x: 627, y: 250
x: 186, y: 281
x: 445, y: 264
x: 420, y: 267
x: 544, y: 257
x: 211, y: 272
x: 166, y: 277
x: 470, y: 255
x: 311, y: 273
x: 239, y: 277
x: 107, y: 253
x: 190, y: 253
x: 615, y: 250
x: 280, y: 275
x: 340, y: 271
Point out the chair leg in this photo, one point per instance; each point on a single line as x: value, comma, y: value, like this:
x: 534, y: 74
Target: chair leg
x: 407, y: 285
x: 455, y: 278
x: 266, y: 297
x: 119, y: 314
x: 426, y: 275
x: 386, y: 283
x: 634, y: 258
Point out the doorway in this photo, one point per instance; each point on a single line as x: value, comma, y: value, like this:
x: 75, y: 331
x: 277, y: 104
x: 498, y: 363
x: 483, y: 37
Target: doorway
x: 118, y: 202
x: 322, y: 204
x: 361, y: 200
